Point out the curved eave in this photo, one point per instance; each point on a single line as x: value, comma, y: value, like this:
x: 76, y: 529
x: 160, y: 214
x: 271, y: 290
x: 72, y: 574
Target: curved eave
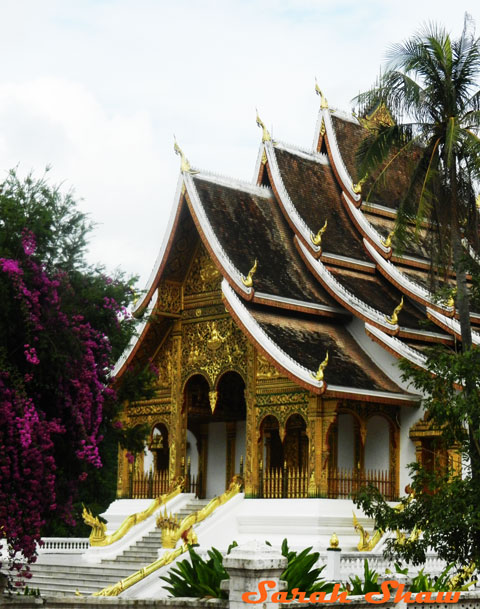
x: 336, y: 159
x: 291, y: 368
x: 348, y: 300
x: 366, y: 229
x: 367, y: 395
x: 296, y: 222
x: 129, y: 353
x: 451, y: 325
x: 404, y: 283
x: 211, y: 242
x: 163, y: 253
x: 291, y: 304
x: 395, y: 346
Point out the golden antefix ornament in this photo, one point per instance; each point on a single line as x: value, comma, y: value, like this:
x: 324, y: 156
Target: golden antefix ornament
x: 317, y: 239
x: 323, y: 99
x: 248, y: 280
x: 388, y: 241
x: 266, y: 137
x: 357, y: 188
x: 185, y: 165
x: 318, y: 376
x: 393, y: 320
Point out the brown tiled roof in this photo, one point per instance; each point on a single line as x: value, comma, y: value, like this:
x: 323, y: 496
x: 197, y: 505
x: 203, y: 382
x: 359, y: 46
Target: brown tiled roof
x: 387, y: 192
x: 251, y: 227
x: 380, y: 294
x: 307, y: 340
x: 316, y: 195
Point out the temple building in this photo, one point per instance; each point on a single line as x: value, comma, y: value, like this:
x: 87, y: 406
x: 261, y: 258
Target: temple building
x: 276, y: 313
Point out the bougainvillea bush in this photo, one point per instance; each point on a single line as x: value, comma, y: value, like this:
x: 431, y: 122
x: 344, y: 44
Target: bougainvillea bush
x: 63, y: 325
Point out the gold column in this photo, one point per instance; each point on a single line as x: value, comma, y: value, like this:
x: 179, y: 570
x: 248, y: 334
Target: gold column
x: 251, y: 444
x: 231, y: 430
x: 328, y: 415
x: 122, y: 474
x: 178, y: 415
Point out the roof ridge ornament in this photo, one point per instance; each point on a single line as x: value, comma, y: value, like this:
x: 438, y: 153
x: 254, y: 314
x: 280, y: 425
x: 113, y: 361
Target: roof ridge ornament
x: 388, y: 241
x: 323, y: 99
x: 357, y: 188
x: 266, y: 137
x: 317, y: 239
x: 185, y: 166
x: 393, y: 320
x: 318, y: 376
x: 248, y: 280
x: 477, y: 201
x: 451, y: 298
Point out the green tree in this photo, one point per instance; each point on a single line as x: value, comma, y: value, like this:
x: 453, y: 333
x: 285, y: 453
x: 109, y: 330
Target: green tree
x: 63, y: 326
x: 431, y: 88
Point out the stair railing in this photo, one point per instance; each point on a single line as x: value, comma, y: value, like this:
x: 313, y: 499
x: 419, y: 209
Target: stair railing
x: 99, y: 537
x: 185, y: 531
x: 172, y: 531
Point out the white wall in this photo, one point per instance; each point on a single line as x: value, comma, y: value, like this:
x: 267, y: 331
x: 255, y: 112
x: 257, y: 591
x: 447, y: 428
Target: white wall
x: 345, y: 452
x: 147, y: 460
x: 377, y: 444
x: 216, y: 459
x: 192, y: 452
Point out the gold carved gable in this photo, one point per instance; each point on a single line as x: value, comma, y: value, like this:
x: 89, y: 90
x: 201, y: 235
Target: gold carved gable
x: 212, y: 347
x: 203, y: 275
x: 169, y: 297
x: 163, y: 362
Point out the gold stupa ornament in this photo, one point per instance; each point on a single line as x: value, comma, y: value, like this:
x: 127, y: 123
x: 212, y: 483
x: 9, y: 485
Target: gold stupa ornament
x: 318, y: 376
x: 393, y: 320
x: 334, y: 541
x: 248, y: 280
x: 317, y: 239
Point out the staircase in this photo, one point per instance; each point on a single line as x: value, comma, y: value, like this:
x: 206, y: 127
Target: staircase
x: 62, y: 574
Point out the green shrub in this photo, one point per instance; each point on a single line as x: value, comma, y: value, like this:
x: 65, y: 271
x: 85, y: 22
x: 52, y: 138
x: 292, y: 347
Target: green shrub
x: 369, y: 582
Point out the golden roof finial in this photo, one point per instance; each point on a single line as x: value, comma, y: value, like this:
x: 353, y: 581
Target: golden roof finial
x: 248, y: 280
x: 357, y: 188
x: 393, y: 320
x: 266, y: 137
x: 318, y: 376
x: 323, y: 99
x: 317, y: 239
x: 477, y: 201
x: 334, y: 541
x: 185, y: 165
x: 388, y: 241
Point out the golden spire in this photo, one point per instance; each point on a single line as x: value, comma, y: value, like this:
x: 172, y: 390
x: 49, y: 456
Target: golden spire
x: 185, y: 165
x: 317, y: 239
x: 319, y: 374
x: 357, y: 188
x: 323, y: 99
x: 248, y: 280
x: 393, y: 320
x: 334, y: 541
x: 388, y: 241
x: 266, y: 137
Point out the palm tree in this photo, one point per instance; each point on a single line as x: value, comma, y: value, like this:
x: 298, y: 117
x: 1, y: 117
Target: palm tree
x: 431, y: 88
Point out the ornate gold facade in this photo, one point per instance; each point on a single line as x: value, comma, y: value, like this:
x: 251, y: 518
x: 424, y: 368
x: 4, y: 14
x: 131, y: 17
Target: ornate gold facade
x: 209, y: 372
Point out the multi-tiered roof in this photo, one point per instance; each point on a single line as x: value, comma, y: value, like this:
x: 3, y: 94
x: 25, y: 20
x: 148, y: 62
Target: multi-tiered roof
x: 303, y: 256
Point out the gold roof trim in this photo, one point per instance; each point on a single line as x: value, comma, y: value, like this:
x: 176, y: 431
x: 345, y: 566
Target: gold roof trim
x: 379, y: 117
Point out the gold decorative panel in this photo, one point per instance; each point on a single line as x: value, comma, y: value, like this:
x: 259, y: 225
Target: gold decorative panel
x: 203, y: 275
x: 163, y: 362
x: 210, y: 347
x: 169, y: 298
x: 266, y: 370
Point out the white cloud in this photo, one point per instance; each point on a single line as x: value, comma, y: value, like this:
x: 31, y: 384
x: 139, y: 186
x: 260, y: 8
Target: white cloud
x: 98, y: 88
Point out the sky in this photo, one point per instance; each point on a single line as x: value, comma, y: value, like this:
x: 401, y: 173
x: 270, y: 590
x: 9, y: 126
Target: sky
x: 96, y: 89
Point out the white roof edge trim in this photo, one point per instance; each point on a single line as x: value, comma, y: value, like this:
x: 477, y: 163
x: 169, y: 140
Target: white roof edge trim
x: 453, y: 324
x: 337, y: 157
x: 380, y: 394
x: 176, y: 202
x: 366, y: 226
x: 345, y: 116
x: 426, y: 333
x: 211, y: 237
x: 317, y: 157
x: 125, y: 355
x: 258, y: 164
x: 357, y: 304
x: 302, y: 303
x: 251, y: 188
x: 292, y: 212
x: 265, y: 341
x: 370, y: 207
x: 402, y: 279
x: 398, y: 346
x: 367, y: 265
